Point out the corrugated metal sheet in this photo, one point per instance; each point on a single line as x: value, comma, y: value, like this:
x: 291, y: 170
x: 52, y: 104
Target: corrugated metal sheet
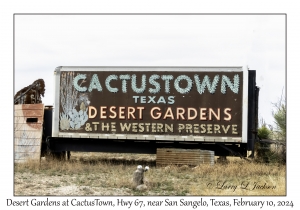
x: 28, y: 129
x: 172, y: 156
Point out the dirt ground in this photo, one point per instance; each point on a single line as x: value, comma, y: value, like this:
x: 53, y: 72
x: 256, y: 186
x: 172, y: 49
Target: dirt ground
x: 90, y: 175
x: 35, y: 184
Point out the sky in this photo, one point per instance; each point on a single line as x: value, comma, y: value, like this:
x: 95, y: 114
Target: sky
x: 44, y: 42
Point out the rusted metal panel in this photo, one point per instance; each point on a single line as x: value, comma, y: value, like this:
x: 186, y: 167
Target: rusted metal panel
x: 208, y: 102
x: 171, y: 156
x: 28, y: 128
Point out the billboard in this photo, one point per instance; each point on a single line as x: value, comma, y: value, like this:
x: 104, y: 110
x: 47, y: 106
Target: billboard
x: 171, y: 103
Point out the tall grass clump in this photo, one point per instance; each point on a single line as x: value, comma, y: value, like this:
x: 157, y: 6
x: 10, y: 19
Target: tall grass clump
x: 93, y: 175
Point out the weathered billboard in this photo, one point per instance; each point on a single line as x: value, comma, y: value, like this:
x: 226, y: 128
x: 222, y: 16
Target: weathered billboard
x: 168, y: 103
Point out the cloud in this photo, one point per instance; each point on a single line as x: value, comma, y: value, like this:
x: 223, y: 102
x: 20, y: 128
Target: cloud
x: 43, y: 42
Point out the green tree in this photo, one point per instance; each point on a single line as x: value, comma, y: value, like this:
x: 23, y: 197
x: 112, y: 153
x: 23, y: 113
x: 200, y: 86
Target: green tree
x: 263, y: 150
x: 280, y: 120
x: 279, y: 115
x: 264, y: 132
x: 277, y: 152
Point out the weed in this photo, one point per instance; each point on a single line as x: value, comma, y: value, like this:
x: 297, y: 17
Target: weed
x: 95, y: 174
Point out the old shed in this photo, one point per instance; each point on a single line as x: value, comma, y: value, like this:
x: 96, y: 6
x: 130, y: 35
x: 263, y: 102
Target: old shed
x: 28, y: 129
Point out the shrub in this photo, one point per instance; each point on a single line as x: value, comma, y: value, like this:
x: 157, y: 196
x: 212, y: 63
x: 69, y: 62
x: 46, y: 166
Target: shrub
x: 263, y: 150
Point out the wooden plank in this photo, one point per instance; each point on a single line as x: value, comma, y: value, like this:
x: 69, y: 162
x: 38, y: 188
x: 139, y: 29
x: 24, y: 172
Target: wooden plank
x: 28, y: 141
x: 29, y: 113
x: 29, y: 106
x: 27, y: 148
x: 181, y: 153
x: 177, y: 150
x: 28, y: 134
x: 23, y: 119
x: 177, y: 156
x: 167, y: 156
x: 24, y: 156
x: 181, y: 156
x: 28, y: 126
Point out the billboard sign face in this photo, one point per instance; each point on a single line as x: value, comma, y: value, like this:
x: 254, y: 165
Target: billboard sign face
x: 198, y: 104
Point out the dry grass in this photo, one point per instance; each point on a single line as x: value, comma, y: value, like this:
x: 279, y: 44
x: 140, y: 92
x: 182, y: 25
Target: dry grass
x: 111, y: 174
